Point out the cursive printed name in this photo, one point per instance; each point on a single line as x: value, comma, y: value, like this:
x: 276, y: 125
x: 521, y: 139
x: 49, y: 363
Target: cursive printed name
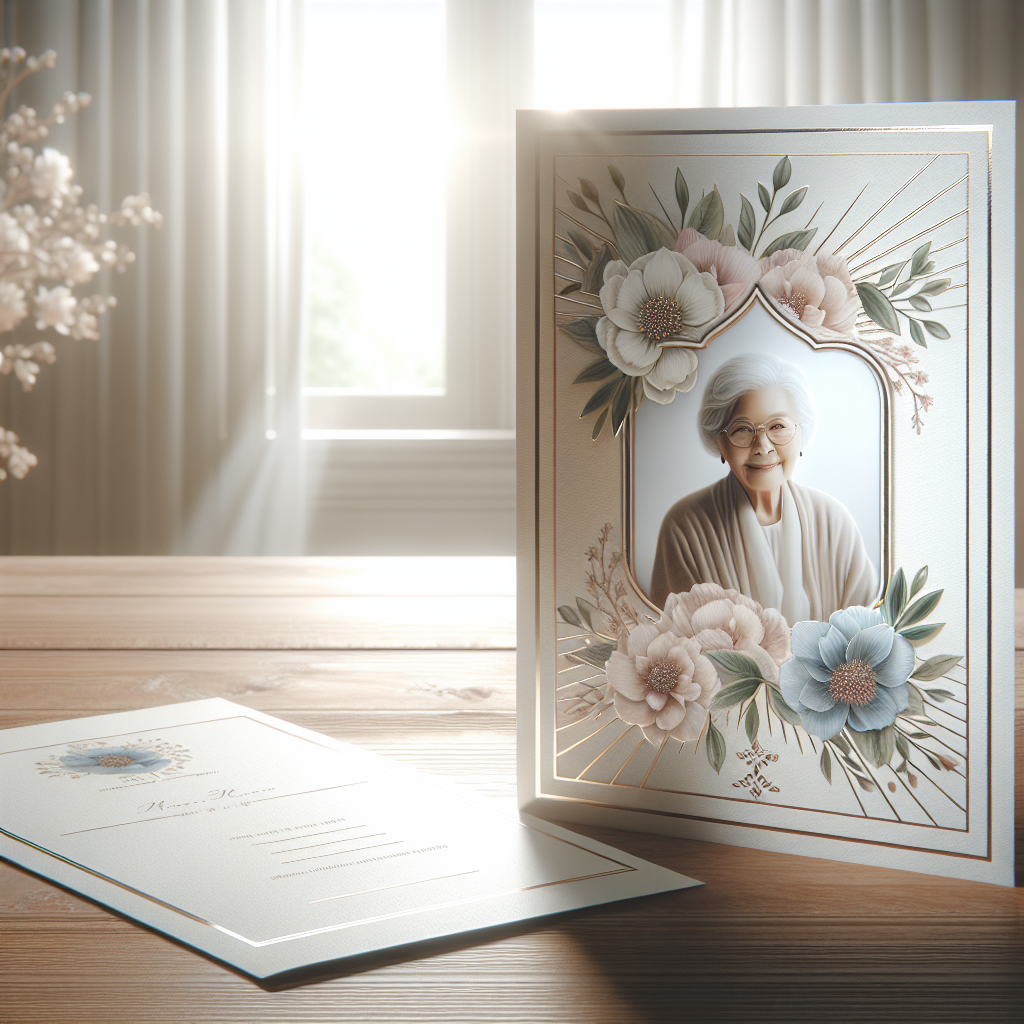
x: 212, y: 797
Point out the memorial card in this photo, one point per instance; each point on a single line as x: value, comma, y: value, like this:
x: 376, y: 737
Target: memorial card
x: 765, y: 485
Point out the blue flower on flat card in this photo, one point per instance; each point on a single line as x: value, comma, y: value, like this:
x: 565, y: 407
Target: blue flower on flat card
x: 852, y: 670
x: 113, y: 761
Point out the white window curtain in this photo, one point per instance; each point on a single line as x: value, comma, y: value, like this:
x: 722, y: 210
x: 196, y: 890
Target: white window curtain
x: 157, y: 440
x: 179, y: 431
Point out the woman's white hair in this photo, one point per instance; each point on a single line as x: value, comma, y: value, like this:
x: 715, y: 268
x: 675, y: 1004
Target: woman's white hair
x: 741, y: 375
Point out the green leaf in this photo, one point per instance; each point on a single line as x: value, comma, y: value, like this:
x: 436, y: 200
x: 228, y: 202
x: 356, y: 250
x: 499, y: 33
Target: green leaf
x: 638, y: 232
x: 601, y: 397
x: 890, y: 273
x: 928, y: 268
x: 878, y: 307
x: 752, y: 721
x: 569, y: 614
x: 826, y: 764
x: 735, y: 693
x: 920, y: 303
x: 868, y: 787
x: 586, y: 610
x: 919, y: 609
x: 682, y: 195
x: 727, y: 236
x: 791, y: 240
x: 940, y: 695
x: 936, y: 287
x: 781, y: 708
x: 793, y: 200
x: 919, y: 635
x: 895, y: 598
x: 617, y: 179
x: 902, y: 746
x: 577, y: 200
x: 917, y: 335
x: 841, y: 742
x: 582, y: 243
x: 782, y: 173
x: 762, y: 194
x: 596, y: 371
x: 593, y: 276
x: 583, y: 332
x: 570, y: 288
x: 714, y: 745
x: 919, y: 581
x: 592, y: 654
x: 734, y: 665
x: 589, y: 189
x: 709, y: 215
x: 620, y: 404
x: 919, y: 259
x: 900, y: 288
x: 748, y: 224
x: 599, y: 424
x: 876, y: 745
x: 936, y: 330
x: 915, y: 704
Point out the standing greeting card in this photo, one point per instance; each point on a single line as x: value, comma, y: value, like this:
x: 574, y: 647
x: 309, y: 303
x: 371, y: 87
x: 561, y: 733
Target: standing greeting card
x: 765, y: 478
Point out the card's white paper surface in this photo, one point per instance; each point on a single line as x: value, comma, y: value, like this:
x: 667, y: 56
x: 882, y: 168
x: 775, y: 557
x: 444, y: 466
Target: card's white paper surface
x: 272, y: 847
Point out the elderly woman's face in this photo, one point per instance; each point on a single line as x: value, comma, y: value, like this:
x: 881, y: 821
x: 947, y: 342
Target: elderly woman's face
x: 765, y: 465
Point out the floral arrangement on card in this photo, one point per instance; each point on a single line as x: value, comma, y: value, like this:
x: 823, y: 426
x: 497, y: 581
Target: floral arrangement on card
x: 648, y: 288
x: 50, y: 243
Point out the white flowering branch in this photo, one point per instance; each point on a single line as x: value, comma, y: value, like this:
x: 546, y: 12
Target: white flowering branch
x: 49, y: 244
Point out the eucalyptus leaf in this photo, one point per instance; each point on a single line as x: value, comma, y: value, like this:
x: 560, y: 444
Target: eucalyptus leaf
x: 682, y: 195
x: 569, y: 614
x: 620, y: 404
x: 840, y: 741
x: 714, y: 745
x: 762, y: 194
x: 602, y: 396
x: 868, y: 787
x: 876, y: 745
x: 598, y: 370
x: 587, y: 610
x: 589, y: 189
x: 727, y: 236
x: 582, y: 243
x: 578, y: 201
x: 593, y: 276
x: 936, y: 287
x: 900, y: 289
x: 781, y: 708
x: 752, y: 721
x: 583, y: 332
x: 889, y: 274
x: 917, y: 334
x: 936, y: 666
x: 921, y: 303
x: 617, y: 178
x: 895, y: 597
x: 920, y: 579
x: 936, y: 330
x: 826, y: 764
x: 596, y: 655
x: 918, y: 635
x: 734, y: 665
x: 902, y: 746
x: 939, y: 695
x: 920, y: 609
x: 932, y: 759
x: 709, y: 215
x: 878, y: 307
x: 735, y: 693
x: 782, y: 173
x: 638, y: 232
x: 919, y: 259
x: 928, y: 268
x: 599, y: 424
x: 915, y: 704
x: 793, y: 200
x: 747, y: 224
x: 791, y: 240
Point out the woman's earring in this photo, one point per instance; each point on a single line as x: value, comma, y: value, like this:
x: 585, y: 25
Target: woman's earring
x: 723, y: 459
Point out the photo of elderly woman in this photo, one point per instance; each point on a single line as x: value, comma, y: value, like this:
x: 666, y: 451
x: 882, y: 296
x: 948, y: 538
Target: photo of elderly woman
x: 757, y: 529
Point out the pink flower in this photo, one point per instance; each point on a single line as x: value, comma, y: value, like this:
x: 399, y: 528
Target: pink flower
x: 734, y: 268
x: 662, y: 683
x: 720, y: 619
x: 816, y: 290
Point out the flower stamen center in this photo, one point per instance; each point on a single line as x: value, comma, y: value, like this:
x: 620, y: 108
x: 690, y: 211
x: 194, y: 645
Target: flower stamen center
x: 660, y: 318
x: 853, y: 683
x: 114, y: 760
x: 662, y: 676
x: 796, y: 302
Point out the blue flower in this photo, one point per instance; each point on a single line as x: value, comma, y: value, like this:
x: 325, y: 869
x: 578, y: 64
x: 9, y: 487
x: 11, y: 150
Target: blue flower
x: 113, y: 761
x: 852, y: 669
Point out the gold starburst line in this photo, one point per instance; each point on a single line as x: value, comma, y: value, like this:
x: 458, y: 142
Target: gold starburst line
x: 585, y: 738
x: 664, y: 743
x: 841, y: 219
x: 628, y: 759
x: 625, y: 732
x: 907, y: 241
x: 913, y: 796
x: 925, y: 775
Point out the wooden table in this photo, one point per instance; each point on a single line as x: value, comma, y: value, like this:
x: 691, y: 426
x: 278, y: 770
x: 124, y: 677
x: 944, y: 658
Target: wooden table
x: 415, y: 658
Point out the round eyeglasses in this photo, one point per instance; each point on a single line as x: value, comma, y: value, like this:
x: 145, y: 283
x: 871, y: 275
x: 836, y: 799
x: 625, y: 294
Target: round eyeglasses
x: 779, y: 431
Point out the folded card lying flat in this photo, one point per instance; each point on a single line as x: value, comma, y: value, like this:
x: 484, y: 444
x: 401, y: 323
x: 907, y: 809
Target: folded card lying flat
x: 273, y: 848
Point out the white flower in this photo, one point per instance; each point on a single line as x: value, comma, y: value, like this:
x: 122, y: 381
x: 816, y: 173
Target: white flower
x: 51, y: 174
x: 662, y: 683
x: 13, y: 238
x: 55, y: 307
x: 13, y: 308
x: 19, y: 460
x: 72, y: 261
x: 652, y: 308
x: 816, y: 290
